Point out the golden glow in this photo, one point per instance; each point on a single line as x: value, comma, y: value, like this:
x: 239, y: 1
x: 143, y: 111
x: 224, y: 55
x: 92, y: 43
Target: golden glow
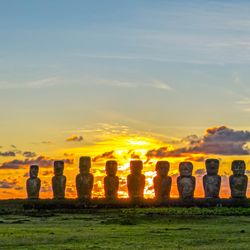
x: 121, y: 148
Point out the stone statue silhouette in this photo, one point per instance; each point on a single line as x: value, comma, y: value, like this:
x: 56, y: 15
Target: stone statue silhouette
x: 238, y: 181
x: 58, y: 180
x: 162, y: 182
x: 33, y: 184
x: 212, y: 181
x: 186, y: 182
x: 111, y: 181
x: 136, y: 180
x: 84, y: 180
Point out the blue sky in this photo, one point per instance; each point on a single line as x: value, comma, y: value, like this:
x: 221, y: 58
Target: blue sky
x: 173, y: 67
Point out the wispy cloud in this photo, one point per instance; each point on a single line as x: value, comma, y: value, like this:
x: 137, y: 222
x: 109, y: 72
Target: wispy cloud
x: 156, y: 84
x: 244, y: 104
x: 36, y: 84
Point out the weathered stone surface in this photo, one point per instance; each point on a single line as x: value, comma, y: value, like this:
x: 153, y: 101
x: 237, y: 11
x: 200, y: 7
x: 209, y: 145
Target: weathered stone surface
x: 84, y: 180
x: 212, y: 181
x: 136, y: 180
x: 162, y: 182
x: 58, y: 180
x: 111, y: 181
x: 33, y: 184
x: 186, y: 182
x: 238, y: 181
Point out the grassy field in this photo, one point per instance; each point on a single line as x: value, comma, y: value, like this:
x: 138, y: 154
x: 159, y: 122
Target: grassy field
x: 152, y: 228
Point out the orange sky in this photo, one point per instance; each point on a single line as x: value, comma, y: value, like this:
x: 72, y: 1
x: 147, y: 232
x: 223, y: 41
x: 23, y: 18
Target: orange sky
x: 123, y: 148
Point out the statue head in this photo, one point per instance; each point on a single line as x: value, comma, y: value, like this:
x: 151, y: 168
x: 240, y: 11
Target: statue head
x: 34, y: 171
x: 58, y: 168
x: 186, y: 169
x: 212, y: 166
x: 136, y: 167
x: 84, y: 164
x: 111, y: 168
x: 162, y: 168
x: 238, y: 167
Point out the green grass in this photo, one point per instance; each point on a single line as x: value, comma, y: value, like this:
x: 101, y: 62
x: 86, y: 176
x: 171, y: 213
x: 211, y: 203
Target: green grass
x: 153, y: 228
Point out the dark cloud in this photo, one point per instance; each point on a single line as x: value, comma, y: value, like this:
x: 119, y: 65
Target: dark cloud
x: 45, y: 173
x: 8, y: 153
x: 9, y: 184
x: 29, y: 154
x: 192, y: 139
x: 74, y: 138
x: 26, y: 175
x: 42, y: 161
x: 104, y: 156
x: 218, y: 141
x: 135, y: 156
x: 200, y: 172
x: 195, y: 158
x: 69, y: 154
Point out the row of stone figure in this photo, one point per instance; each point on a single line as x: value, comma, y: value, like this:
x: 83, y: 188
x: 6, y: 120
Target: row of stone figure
x: 136, y: 180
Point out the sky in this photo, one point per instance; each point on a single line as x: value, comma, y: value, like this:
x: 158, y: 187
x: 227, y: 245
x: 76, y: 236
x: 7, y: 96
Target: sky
x: 122, y: 80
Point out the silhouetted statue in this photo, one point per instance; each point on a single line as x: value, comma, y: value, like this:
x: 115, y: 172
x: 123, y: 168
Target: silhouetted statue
x: 136, y: 180
x: 186, y: 182
x: 162, y: 182
x: 238, y: 181
x: 84, y: 180
x: 111, y: 181
x: 212, y: 181
x: 58, y: 180
x: 33, y: 184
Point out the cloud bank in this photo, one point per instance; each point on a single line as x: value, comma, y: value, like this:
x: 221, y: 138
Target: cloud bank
x: 217, y: 141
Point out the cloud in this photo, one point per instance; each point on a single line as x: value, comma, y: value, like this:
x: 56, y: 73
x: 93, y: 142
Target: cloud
x: 40, y: 83
x: 74, y: 138
x: 42, y: 161
x: 200, y: 172
x: 244, y: 104
x: 46, y: 173
x: 29, y: 154
x: 9, y: 184
x: 195, y: 158
x: 134, y: 155
x: 218, y: 141
x: 8, y: 154
x: 156, y: 84
x: 104, y: 156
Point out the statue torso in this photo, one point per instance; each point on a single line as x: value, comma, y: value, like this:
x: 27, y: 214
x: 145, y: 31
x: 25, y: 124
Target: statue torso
x: 59, y: 185
x: 186, y: 186
x: 211, y: 185
x: 238, y: 185
x: 162, y: 186
x: 33, y: 187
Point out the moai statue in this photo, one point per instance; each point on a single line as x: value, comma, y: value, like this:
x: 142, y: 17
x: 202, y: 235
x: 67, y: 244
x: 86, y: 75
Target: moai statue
x: 111, y: 181
x: 136, y: 180
x: 84, y: 180
x: 238, y: 181
x: 33, y: 184
x: 212, y: 181
x: 162, y: 182
x: 186, y: 182
x: 59, y: 180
